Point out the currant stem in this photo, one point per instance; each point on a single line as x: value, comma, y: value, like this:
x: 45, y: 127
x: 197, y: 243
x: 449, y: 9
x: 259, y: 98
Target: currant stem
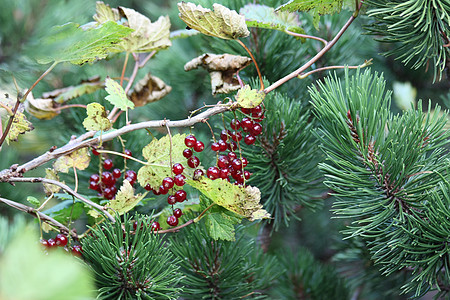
x: 365, y: 64
x: 312, y: 37
x: 203, y: 212
x: 123, y: 155
x: 254, y: 61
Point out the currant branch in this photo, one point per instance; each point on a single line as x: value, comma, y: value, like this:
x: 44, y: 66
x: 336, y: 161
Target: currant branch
x: 35, y: 213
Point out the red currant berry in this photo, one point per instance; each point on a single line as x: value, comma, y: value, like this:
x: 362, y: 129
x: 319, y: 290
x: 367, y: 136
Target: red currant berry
x: 108, y: 193
x: 224, y: 173
x: 236, y: 136
x: 237, y: 164
x: 155, y: 226
x: 128, y: 152
x: 135, y: 225
x: 179, y: 179
x: 244, y: 162
x: 222, y: 161
x: 199, y: 146
x: 172, y: 221
x: 256, y: 110
x: 177, y: 168
x: 94, y: 185
x: 180, y: 195
x: 61, y: 240
x: 223, y: 145
x: 235, y: 124
x: 213, y: 173
x: 77, y: 250
x: 131, y: 175
x: 131, y: 180
x: 162, y: 190
x: 187, y: 152
x: 113, y: 190
x: 198, y: 173
x: 171, y: 200
x: 245, y: 110
x: 225, y: 134
x: 190, y: 141
x: 232, y: 146
x: 257, y: 129
x: 116, y: 173
x: 237, y: 175
x: 231, y: 156
x: 51, y: 243
x: 95, y: 178
x: 156, y: 192
x: 249, y: 139
x: 259, y: 117
x: 148, y: 187
x: 108, y: 179
x: 215, y: 146
x: 108, y: 164
x: 246, y: 124
x: 193, y: 162
x: 247, y: 175
x: 95, y: 152
x: 168, y: 182
x: 177, y: 213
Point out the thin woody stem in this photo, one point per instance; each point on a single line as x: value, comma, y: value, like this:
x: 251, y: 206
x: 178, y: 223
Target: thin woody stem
x: 254, y: 61
x: 305, y: 36
x: 365, y: 64
x: 176, y: 228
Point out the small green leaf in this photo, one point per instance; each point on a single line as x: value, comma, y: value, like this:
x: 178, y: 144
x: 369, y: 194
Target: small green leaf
x: 71, y: 43
x: 157, y: 153
x: 34, y: 201
x: 78, y: 159
x: 222, y: 22
x: 117, y: 96
x: 125, y: 199
x: 96, y: 119
x: 249, y: 98
x: 262, y: 16
x: 243, y: 201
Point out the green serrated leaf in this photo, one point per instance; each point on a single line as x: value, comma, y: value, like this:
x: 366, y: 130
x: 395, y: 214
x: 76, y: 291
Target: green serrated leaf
x: 157, y: 153
x: 117, y: 96
x: 245, y: 201
x: 125, y: 199
x: 219, y: 221
x: 249, y: 98
x: 96, y: 119
x: 34, y: 201
x: 78, y: 159
x: 221, y: 22
x: 71, y: 43
x: 262, y: 16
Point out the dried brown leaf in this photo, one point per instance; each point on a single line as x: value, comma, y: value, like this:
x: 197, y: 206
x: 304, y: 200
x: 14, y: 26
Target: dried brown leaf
x: 148, y: 90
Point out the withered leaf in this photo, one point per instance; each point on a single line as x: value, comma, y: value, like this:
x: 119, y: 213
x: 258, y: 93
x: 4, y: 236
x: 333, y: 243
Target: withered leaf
x: 221, y: 68
x: 43, y: 109
x: 148, y: 89
x: 20, y: 124
x: 65, y: 94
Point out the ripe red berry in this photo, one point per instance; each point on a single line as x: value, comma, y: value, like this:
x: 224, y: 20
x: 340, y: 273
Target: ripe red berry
x: 232, y: 156
x: 247, y: 175
x: 148, y: 187
x: 198, y: 173
x: 232, y: 146
x: 235, y: 124
x: 168, y: 182
x: 127, y: 152
x: 51, y: 243
x: 236, y: 136
x: 187, y: 152
x: 77, y: 250
x: 193, y: 162
x: 256, y: 110
x: 108, y: 164
x: 215, y: 146
x: 180, y: 195
x: 61, y: 240
x: 93, y: 185
x: 179, y: 179
x: 95, y: 152
x: 117, y: 173
x: 224, y: 173
x: 213, y: 173
x: 245, y: 110
x: 223, y: 145
x: 223, y: 161
x: 155, y: 226
x: 177, y: 213
x: 44, y: 242
x: 162, y: 190
x: 131, y: 180
x: 171, y: 200
x: 257, y: 129
x: 190, y: 141
x: 244, y: 162
x: 237, y: 164
x: 108, y: 193
x: 172, y: 221
x: 199, y: 146
x: 246, y: 124
x: 177, y: 168
x: 225, y: 134
x: 131, y: 174
x: 95, y: 178
x: 259, y: 117
x: 249, y: 139
x: 108, y: 179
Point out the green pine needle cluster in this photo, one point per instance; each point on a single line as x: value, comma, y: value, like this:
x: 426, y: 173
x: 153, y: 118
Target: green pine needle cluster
x: 389, y: 175
x: 130, y: 264
x: 419, y: 29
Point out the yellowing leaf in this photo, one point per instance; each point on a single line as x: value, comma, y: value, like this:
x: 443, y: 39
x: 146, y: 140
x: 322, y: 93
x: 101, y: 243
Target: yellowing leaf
x: 51, y: 188
x: 96, y: 119
x: 157, y: 153
x: 243, y: 201
x: 85, y: 87
x: 148, y: 90
x: 79, y: 159
x: 20, y: 124
x: 43, y: 109
x: 222, y: 22
x: 125, y: 199
x: 249, y: 98
x: 146, y: 37
x: 222, y: 69
x: 117, y: 95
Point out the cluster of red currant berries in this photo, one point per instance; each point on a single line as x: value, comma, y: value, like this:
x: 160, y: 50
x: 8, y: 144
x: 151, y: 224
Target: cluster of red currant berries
x: 154, y: 226
x: 105, y: 184
x: 61, y: 241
